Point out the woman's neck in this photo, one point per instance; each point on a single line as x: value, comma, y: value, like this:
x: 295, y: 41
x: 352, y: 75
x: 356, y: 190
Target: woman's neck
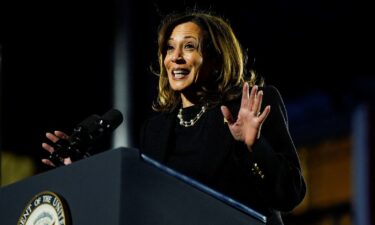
x: 185, y: 101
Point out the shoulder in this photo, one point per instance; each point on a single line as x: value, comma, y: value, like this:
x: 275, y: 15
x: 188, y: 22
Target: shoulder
x: 273, y: 98
x: 271, y: 95
x: 271, y: 92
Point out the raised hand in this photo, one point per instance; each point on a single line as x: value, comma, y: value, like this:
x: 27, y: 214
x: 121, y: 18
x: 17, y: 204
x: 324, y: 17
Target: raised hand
x: 249, y: 121
x: 57, y: 135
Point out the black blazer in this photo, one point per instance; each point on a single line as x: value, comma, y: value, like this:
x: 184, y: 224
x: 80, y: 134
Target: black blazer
x: 268, y: 179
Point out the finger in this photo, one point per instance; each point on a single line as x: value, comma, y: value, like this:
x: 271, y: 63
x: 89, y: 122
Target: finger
x: 67, y: 161
x: 245, y: 96
x: 257, y: 103
x: 61, y: 134
x: 227, y: 115
x: 52, y: 137
x: 48, y: 162
x: 48, y: 147
x: 252, y: 97
x: 263, y: 116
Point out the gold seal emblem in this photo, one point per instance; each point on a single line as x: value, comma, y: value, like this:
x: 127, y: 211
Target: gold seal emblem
x: 45, y: 208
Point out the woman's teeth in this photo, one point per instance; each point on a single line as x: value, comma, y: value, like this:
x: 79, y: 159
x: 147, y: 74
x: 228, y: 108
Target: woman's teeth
x: 180, y: 73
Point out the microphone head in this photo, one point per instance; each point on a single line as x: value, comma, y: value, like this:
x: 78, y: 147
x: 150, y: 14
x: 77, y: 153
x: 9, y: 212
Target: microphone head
x: 89, y: 123
x: 113, y: 118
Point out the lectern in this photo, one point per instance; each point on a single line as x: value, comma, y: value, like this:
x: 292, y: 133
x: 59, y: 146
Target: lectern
x: 121, y: 187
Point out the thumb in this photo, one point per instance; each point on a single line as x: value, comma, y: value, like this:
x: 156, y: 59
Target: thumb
x: 227, y: 115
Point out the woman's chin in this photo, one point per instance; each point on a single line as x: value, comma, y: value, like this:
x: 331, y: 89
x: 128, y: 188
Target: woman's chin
x: 180, y: 86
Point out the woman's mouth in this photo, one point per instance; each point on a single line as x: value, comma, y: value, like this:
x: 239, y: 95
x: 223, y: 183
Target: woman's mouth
x: 180, y: 73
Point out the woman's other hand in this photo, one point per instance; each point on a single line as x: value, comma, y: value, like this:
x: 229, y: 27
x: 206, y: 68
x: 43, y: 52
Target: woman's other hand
x: 57, y: 135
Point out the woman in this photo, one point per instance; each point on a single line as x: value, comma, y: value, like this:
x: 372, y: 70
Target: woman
x: 211, y: 126
x: 251, y: 157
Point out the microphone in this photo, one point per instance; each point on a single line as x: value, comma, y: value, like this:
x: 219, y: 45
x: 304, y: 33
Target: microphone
x: 77, y: 146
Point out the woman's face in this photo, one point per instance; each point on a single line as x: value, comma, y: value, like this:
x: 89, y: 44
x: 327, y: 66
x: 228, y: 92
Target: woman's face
x: 183, y: 60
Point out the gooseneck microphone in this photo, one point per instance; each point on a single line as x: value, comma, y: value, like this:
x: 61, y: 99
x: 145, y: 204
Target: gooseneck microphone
x: 78, y: 145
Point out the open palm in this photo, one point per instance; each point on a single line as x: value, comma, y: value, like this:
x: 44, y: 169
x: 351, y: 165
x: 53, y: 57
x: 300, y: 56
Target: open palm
x: 249, y: 119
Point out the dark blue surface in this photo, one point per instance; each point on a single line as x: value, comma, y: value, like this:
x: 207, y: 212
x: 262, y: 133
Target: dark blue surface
x: 202, y: 187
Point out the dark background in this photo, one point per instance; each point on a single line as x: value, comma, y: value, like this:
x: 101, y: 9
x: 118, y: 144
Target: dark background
x: 57, y: 61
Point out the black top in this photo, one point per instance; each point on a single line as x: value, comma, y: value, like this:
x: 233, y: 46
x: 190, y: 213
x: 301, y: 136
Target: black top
x: 268, y: 180
x: 184, y: 152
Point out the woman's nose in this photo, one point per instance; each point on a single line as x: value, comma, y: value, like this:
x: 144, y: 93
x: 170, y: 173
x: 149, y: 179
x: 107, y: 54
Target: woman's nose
x: 177, y: 55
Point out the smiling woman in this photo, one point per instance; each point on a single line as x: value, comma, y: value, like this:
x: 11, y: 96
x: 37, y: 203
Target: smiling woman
x: 196, y: 63
x: 211, y: 126
x: 184, y: 59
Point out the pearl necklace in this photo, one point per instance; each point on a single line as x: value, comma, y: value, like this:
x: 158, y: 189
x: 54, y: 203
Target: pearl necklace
x: 192, y: 121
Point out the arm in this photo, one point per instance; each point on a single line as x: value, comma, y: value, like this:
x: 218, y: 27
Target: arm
x: 271, y: 159
x: 276, y: 157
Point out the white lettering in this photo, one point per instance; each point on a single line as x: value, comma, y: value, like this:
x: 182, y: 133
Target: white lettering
x: 26, y: 214
x: 59, y: 209
x: 47, y: 198
x: 37, y: 201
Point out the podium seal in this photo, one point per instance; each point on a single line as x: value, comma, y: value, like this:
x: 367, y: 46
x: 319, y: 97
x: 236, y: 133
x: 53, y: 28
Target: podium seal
x: 45, y: 208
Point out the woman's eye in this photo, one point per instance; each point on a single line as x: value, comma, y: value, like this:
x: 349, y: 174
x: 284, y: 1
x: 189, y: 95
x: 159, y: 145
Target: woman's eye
x: 189, y: 46
x: 169, y: 47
